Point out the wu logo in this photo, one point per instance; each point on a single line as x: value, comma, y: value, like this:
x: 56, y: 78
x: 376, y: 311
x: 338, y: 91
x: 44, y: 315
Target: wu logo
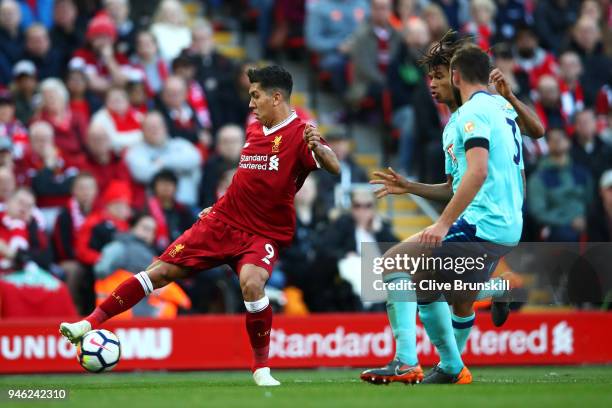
x: 273, y: 165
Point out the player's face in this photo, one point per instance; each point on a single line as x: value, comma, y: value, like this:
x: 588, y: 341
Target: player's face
x: 441, y: 88
x: 262, y: 103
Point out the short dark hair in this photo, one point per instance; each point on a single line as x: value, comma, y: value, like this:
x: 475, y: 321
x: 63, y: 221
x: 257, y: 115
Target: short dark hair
x: 272, y: 77
x: 473, y: 64
x: 164, y: 175
x: 138, y: 216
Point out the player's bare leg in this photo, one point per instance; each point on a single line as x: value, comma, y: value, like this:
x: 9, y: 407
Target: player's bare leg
x: 258, y: 321
x: 124, y: 297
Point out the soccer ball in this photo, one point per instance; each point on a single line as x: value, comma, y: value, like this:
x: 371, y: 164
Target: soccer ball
x: 98, y: 351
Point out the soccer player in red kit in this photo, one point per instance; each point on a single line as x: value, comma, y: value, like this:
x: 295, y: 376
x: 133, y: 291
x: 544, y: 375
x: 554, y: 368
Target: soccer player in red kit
x: 246, y: 227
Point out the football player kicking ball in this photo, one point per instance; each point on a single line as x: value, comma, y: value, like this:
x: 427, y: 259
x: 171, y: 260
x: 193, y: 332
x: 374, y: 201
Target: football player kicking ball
x: 401, y: 311
x: 246, y: 227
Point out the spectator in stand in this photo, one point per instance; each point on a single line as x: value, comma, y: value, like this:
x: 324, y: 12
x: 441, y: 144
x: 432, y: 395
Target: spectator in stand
x: 102, y: 162
x: 350, y: 172
x: 36, y: 12
x: 24, y: 89
x: 572, y: 95
x: 48, y: 60
x: 136, y: 89
x: 11, y: 34
x: 69, y: 127
x: 119, y: 12
x: 121, y: 122
x: 14, y: 239
x: 299, y: 260
x: 84, y: 191
x: 103, y: 65
x: 215, y: 72
x: 554, y: 18
x: 100, y: 226
x: 342, y: 240
x: 329, y: 27
x: 456, y: 12
x: 586, y: 41
x: 171, y: 217
x: 49, y: 173
x: 99, y: 229
x: 180, y: 117
x: 588, y: 149
x: 530, y: 57
x: 482, y: 22
x: 515, y: 76
x: 132, y: 251
x: 230, y: 140
x: 559, y: 192
x: 600, y: 219
x: 548, y: 104
x: 436, y: 21
x: 377, y: 43
x: 510, y: 14
x: 83, y: 102
x: 159, y: 151
x: 405, y: 76
x: 11, y: 129
x: 185, y: 68
x: 170, y: 29
x: 404, y: 11
x: 147, y: 59
x: 66, y: 33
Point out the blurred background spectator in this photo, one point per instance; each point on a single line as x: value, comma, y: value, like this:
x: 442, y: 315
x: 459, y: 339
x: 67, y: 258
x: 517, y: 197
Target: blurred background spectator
x: 110, y: 108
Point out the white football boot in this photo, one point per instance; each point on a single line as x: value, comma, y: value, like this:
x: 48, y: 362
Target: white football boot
x: 263, y: 378
x: 74, y: 331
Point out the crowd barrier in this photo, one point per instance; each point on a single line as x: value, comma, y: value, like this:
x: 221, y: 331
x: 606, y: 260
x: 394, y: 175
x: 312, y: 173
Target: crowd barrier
x: 323, y: 340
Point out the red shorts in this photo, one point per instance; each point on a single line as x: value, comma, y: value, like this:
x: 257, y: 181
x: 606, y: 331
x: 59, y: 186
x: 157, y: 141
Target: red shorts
x: 210, y: 242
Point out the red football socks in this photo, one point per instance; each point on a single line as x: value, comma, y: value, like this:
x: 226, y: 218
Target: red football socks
x: 124, y: 297
x: 258, y: 325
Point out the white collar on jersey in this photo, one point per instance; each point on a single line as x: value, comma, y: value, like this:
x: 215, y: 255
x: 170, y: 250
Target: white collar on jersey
x: 288, y: 120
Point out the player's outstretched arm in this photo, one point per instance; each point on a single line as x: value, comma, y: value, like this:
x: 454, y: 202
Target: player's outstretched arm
x: 324, y: 155
x: 472, y: 181
x: 528, y: 120
x: 393, y: 183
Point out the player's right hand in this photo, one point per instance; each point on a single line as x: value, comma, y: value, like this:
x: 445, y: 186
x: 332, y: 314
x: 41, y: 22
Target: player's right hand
x: 204, y: 212
x: 392, y: 183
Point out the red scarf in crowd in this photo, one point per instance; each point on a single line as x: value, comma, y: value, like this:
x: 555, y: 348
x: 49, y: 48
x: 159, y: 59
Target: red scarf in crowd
x: 196, y: 97
x: 572, y: 101
x: 157, y: 212
x: 126, y: 123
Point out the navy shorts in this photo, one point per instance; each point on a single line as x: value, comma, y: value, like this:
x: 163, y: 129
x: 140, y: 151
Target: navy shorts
x: 466, y: 257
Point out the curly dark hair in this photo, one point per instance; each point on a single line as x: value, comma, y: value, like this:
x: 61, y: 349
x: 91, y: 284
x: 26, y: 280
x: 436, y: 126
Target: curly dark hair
x: 272, y: 77
x: 441, y: 53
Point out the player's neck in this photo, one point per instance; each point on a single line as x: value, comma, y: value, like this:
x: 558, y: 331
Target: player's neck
x: 283, y: 112
x: 468, y: 90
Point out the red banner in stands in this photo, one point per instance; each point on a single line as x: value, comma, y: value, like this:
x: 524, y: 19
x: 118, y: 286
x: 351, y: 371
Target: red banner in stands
x: 328, y: 340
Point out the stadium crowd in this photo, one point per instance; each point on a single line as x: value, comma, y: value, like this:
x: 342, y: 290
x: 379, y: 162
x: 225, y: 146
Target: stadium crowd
x: 117, y: 127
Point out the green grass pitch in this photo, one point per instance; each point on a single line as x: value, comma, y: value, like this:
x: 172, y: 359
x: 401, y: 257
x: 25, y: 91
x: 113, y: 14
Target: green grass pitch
x: 493, y: 387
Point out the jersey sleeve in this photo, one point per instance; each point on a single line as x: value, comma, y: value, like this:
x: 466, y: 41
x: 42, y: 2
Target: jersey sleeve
x: 474, y: 130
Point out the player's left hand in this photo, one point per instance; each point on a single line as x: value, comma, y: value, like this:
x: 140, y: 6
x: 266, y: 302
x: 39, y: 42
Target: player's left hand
x: 497, y: 78
x: 433, y: 235
x: 312, y: 137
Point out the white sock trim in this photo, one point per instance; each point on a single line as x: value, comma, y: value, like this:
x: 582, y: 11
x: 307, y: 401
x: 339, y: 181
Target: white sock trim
x: 145, y: 282
x: 258, y: 305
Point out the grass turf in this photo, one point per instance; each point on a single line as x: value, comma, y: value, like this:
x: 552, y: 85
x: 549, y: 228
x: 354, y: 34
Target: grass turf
x: 493, y: 387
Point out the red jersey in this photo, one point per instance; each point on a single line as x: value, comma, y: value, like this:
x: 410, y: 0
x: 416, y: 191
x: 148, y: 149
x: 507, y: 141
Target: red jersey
x: 273, y: 166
